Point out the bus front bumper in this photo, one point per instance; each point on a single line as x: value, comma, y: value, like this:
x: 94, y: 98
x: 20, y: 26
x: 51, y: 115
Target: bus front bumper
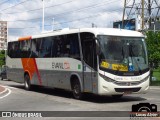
x: 108, y: 88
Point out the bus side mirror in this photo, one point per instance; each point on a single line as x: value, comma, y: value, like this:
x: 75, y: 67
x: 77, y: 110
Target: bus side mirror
x: 97, y: 47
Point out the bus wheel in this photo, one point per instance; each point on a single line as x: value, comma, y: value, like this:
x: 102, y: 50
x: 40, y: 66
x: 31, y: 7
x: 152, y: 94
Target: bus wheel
x: 117, y: 96
x: 76, y: 89
x: 27, y: 83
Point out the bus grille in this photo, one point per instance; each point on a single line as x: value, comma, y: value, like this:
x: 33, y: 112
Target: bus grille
x: 127, y: 89
x: 127, y: 83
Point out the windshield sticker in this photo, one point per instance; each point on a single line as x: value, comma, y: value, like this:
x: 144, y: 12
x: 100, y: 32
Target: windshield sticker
x: 119, y: 67
x: 104, y: 64
x: 131, y: 68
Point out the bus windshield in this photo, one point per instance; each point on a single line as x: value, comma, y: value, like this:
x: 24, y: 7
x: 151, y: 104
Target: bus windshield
x: 122, y: 53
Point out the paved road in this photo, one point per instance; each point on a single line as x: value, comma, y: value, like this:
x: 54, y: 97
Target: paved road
x: 45, y: 99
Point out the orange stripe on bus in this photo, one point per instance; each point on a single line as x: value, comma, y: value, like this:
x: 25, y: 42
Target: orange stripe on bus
x: 29, y: 64
x: 37, y: 71
x: 25, y: 38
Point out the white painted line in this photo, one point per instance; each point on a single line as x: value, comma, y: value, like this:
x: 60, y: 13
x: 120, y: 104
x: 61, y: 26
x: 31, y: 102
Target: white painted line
x: 6, y: 94
x: 3, y: 91
x: 9, y: 87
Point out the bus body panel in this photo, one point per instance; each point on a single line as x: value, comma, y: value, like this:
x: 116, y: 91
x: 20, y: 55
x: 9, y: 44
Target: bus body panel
x: 15, y: 70
x: 57, y: 71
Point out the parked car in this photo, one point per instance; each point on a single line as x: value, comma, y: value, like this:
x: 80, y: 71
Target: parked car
x: 3, y: 73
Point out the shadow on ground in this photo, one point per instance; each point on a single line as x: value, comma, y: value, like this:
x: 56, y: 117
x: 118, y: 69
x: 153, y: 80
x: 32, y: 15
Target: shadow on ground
x: 87, y: 97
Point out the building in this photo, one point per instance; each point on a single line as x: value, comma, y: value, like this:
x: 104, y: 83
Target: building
x: 155, y: 24
x: 3, y: 35
x: 128, y: 24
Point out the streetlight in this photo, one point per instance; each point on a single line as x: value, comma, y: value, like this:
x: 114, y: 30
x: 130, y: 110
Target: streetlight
x: 43, y: 17
x: 52, y: 24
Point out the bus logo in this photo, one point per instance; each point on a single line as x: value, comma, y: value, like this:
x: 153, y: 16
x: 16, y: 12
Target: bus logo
x: 66, y: 65
x: 59, y: 65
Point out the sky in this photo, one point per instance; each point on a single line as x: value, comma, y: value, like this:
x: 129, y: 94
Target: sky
x: 25, y: 16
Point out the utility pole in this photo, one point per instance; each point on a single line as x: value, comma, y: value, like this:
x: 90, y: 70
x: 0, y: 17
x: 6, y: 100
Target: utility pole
x: 92, y: 25
x: 52, y: 24
x: 149, y: 12
x: 43, y: 17
x: 124, y: 10
x: 142, y: 14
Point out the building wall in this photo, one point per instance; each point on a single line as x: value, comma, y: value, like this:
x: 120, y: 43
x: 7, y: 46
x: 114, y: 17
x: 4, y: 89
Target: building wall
x: 3, y: 34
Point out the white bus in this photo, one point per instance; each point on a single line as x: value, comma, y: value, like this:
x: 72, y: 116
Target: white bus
x: 103, y: 61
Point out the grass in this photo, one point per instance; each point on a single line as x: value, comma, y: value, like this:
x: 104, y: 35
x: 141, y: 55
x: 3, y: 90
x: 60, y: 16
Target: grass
x: 156, y: 73
x: 155, y: 83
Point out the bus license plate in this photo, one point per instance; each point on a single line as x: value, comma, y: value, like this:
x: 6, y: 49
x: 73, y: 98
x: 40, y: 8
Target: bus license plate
x: 127, y: 92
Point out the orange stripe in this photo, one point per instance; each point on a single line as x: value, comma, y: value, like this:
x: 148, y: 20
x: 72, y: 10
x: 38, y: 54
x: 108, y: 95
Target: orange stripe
x: 29, y: 64
x: 25, y: 38
x: 37, y: 71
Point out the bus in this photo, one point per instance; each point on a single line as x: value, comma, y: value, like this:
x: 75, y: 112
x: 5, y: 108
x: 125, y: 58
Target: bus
x: 103, y: 61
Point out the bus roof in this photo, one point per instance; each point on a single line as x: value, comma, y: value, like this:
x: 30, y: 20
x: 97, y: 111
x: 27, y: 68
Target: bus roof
x: 96, y: 31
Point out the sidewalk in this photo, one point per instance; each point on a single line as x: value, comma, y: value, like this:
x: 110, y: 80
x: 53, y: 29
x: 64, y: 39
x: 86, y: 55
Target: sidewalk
x: 1, y: 89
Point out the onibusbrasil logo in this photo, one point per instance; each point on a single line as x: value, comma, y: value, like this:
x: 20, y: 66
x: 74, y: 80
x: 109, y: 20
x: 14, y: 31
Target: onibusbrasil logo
x: 144, y: 110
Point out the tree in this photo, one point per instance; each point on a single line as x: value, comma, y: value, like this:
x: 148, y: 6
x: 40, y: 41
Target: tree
x: 153, y: 45
x: 2, y: 58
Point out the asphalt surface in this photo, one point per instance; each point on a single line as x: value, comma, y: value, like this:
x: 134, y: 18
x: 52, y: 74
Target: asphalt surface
x: 46, y: 99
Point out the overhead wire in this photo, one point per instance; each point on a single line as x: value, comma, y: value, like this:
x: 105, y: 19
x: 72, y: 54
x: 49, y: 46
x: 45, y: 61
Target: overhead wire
x: 71, y: 11
x: 41, y: 8
x: 79, y: 19
x: 14, y: 5
x: 4, y: 2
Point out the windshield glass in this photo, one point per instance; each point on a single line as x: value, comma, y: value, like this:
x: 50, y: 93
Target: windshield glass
x: 122, y: 53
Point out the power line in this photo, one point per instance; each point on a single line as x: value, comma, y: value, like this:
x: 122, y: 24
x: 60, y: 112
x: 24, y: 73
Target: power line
x: 91, y: 16
x: 64, y: 13
x: 4, y: 2
x: 14, y: 5
x: 41, y: 8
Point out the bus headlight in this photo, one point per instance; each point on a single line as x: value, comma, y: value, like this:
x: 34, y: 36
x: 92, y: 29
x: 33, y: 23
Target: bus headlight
x: 145, y: 79
x: 107, y: 78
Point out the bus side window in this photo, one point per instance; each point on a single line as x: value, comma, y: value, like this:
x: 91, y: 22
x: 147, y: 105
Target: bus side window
x: 54, y: 47
x: 88, y: 49
x: 34, y: 48
x: 10, y: 50
x: 45, y: 48
x: 66, y: 46
x: 74, y: 46
x: 25, y: 48
x: 14, y: 49
x: 60, y: 46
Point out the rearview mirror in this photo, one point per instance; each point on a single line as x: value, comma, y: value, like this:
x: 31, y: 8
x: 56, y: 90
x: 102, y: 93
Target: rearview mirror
x: 97, y: 47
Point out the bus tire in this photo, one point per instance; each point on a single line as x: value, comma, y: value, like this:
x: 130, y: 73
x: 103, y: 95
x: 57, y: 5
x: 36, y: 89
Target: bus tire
x: 76, y: 89
x: 117, y: 96
x: 27, y: 83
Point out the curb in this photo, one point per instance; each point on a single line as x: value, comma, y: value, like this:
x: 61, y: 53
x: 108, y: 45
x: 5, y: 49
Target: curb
x: 2, y: 89
x: 4, y: 92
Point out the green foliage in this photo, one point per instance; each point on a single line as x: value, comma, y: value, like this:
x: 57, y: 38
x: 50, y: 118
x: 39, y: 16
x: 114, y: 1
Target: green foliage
x: 2, y: 58
x: 153, y: 45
